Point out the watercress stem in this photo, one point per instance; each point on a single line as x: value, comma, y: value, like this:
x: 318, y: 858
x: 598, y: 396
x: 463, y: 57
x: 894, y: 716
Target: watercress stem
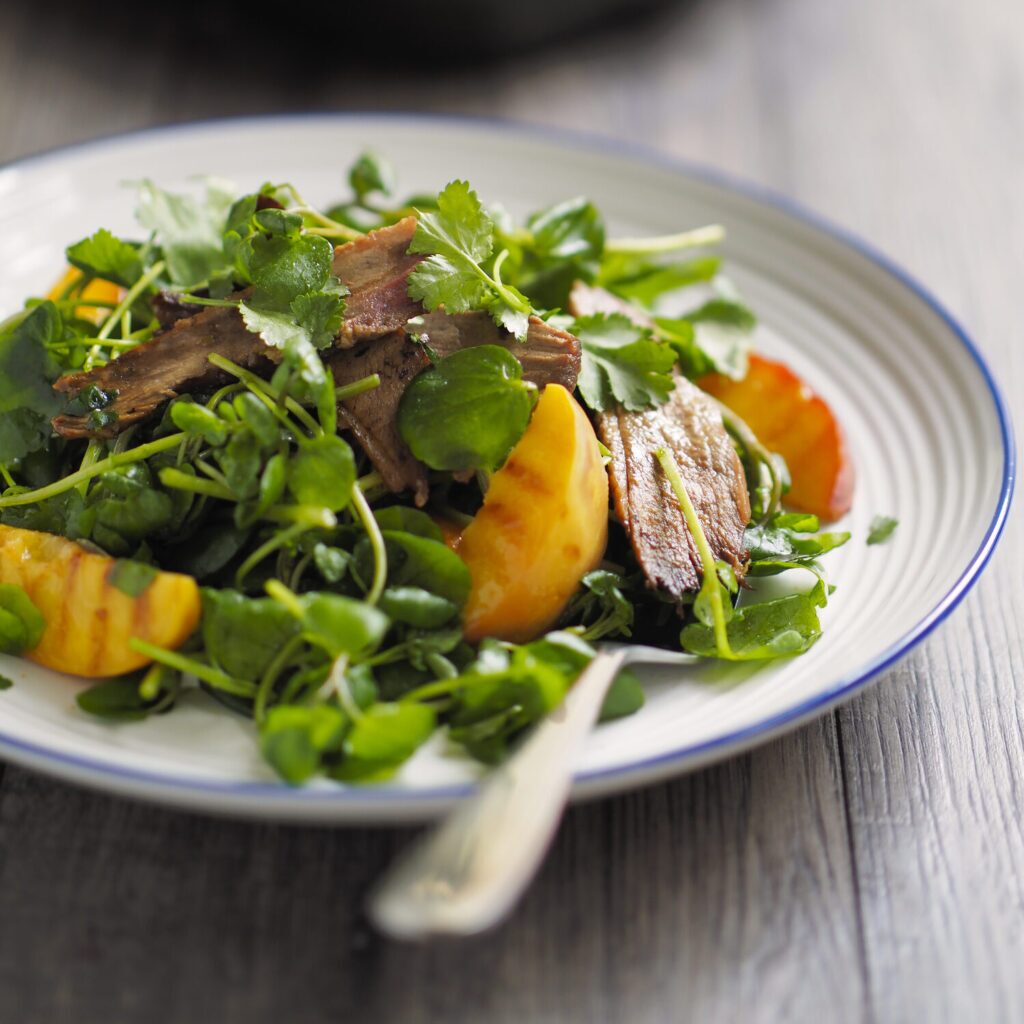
x: 67, y: 483
x: 279, y: 540
x: 357, y: 387
x: 711, y: 583
x: 207, y: 673
x: 712, y: 234
x: 380, y: 551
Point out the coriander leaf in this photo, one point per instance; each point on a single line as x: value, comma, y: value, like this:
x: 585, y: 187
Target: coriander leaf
x: 282, y: 268
x: 468, y: 410
x: 514, y: 318
x: 371, y: 173
x: 780, y: 628
x: 104, y: 255
x: 320, y: 313
x: 622, y: 363
x: 5, y: 683
x: 458, y: 237
x: 280, y: 330
x: 459, y: 229
x: 131, y: 578
x: 189, y: 230
x: 21, y: 624
x: 881, y: 529
x: 27, y: 401
x: 439, y: 281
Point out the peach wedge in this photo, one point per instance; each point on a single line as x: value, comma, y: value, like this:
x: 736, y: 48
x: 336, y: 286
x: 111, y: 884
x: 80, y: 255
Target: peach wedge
x: 89, y: 621
x: 542, y: 527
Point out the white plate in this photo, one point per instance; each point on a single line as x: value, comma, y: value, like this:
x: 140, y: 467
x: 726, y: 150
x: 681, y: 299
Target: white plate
x: 929, y: 435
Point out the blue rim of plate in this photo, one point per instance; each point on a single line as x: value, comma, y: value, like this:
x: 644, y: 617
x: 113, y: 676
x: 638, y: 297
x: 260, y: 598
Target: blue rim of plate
x: 169, y: 785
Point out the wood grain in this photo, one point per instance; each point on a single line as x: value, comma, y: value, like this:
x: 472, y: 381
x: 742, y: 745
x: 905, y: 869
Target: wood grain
x: 868, y: 867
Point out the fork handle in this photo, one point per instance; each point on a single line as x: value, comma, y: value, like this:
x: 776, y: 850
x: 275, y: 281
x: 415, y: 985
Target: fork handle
x: 467, y: 874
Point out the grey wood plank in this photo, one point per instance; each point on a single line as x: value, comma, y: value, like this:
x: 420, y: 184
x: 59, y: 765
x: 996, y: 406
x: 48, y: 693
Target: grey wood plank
x: 725, y: 896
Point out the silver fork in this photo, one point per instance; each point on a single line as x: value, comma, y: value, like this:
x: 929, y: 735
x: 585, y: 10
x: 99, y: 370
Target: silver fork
x: 468, y: 873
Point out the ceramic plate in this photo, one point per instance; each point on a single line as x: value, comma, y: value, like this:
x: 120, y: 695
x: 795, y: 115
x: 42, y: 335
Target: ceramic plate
x: 928, y: 431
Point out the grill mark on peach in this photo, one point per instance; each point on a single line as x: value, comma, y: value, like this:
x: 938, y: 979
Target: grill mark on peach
x: 97, y: 641
x: 529, y: 479
x: 59, y: 630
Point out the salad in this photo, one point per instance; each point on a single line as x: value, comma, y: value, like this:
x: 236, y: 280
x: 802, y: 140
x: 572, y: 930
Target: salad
x: 395, y: 466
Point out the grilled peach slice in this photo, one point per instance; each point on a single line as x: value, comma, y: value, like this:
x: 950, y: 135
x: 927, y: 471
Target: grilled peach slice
x: 792, y: 420
x: 94, y: 291
x: 89, y: 620
x: 543, y: 525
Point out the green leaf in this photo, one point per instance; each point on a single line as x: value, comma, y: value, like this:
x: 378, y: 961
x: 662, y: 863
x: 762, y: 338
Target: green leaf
x: 321, y: 313
x: 881, y: 529
x: 468, y: 410
x: 601, y: 605
x: 341, y: 625
x: 408, y: 520
x: 242, y: 635
x: 625, y: 697
x: 390, y: 732
x: 622, y: 363
x: 459, y: 229
x: 780, y: 628
x: 323, y: 472
x: 199, y: 421
x: 459, y: 237
x: 789, y: 540
x: 188, y: 229
x: 294, y: 739
x: 282, y: 268
x: 429, y: 564
x: 646, y: 285
x: 570, y: 230
x: 117, y: 700
x: 371, y: 173
x: 439, y: 281
x: 5, y: 683
x: 21, y: 623
x: 131, y: 578
x: 282, y: 331
x: 104, y: 255
x: 417, y: 607
x: 27, y: 401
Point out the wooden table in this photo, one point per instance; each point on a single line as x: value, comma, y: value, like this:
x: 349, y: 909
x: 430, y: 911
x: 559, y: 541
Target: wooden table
x: 869, y: 866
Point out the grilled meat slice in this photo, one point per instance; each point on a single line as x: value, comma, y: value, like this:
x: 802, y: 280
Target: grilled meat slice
x: 173, y: 363
x: 374, y: 268
x: 689, y: 426
x: 372, y: 416
x: 548, y: 355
